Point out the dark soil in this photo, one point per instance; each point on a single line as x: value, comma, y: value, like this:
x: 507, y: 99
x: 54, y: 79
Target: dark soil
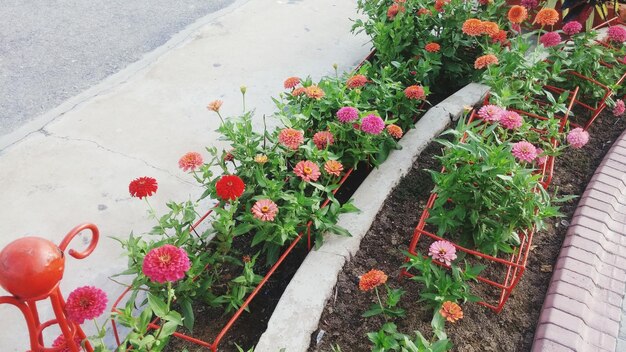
x: 480, y: 329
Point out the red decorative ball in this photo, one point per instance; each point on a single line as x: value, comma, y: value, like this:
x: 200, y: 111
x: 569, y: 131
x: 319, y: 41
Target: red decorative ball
x: 31, y: 267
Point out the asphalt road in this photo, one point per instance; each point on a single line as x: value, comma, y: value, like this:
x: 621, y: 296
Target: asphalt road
x: 51, y: 50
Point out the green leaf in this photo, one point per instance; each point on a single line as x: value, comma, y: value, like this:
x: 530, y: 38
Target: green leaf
x: 188, y: 316
x: 157, y: 305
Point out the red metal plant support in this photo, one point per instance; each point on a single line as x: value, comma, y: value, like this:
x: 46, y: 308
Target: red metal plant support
x: 31, y: 269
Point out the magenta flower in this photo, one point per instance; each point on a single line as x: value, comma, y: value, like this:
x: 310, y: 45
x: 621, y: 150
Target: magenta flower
x: 529, y: 4
x: 442, y: 251
x: 372, y: 124
x: 572, y: 27
x: 60, y: 342
x: 577, y: 138
x: 550, y: 39
x: 510, y: 120
x: 490, y: 113
x: 541, y: 158
x: 617, y: 34
x: 85, y: 303
x: 347, y: 114
x: 167, y: 263
x: 524, y: 151
x: 619, y: 108
x: 307, y: 170
x: 264, y: 210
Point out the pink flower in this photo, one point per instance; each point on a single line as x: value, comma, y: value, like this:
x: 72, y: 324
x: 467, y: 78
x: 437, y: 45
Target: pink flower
x: 442, y: 251
x: 619, y: 108
x: 490, y: 112
x: 541, y: 158
x: 166, y: 263
x: 60, y: 342
x: 291, y: 138
x: 550, y: 39
x: 333, y: 167
x: 322, y: 139
x: 264, y: 210
x: 577, y: 138
x: 190, y: 161
x: 529, y: 4
x: 307, y: 170
x: 524, y: 151
x: 510, y: 120
x: 85, y: 303
x: 516, y: 27
x: 347, y: 114
x: 617, y: 34
x: 372, y: 124
x: 572, y: 27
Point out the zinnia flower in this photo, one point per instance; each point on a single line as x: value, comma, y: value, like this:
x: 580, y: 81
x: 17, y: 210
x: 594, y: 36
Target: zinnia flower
x: 291, y: 138
x: 490, y: 28
x: 307, y: 170
x: 215, y: 105
x: 230, y: 187
x: 451, y: 311
x: 577, y: 138
x: 617, y: 34
x: 572, y: 27
x: 264, y: 210
x: 484, y: 61
x: 228, y: 156
x: 485, y: 2
x: 395, y: 131
x: 547, y: 17
x: 541, y: 158
x: 432, y: 47
x: 142, y: 187
x: 510, y: 120
x: 423, y: 11
x: 473, y: 27
x: 393, y: 10
x: 333, y: 167
x: 439, y: 4
x: 298, y: 91
x: 524, y: 151
x: 372, y: 279
x: 372, y: 124
x: 85, y: 303
x: 415, y: 92
x: 167, y: 263
x: 529, y: 4
x: 619, y: 108
x: 490, y: 113
x: 60, y: 342
x: 517, y: 14
x: 500, y: 37
x: 190, y: 161
x: 314, y: 92
x: 550, y: 39
x: 442, y: 251
x: 356, y: 81
x: 291, y: 82
x: 323, y: 139
x: 260, y: 159
x: 347, y: 114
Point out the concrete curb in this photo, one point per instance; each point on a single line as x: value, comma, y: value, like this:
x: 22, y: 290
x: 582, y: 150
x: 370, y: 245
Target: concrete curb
x: 298, y: 312
x: 584, y: 304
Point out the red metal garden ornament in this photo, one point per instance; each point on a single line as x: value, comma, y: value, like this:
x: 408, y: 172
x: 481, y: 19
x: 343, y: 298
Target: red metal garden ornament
x: 31, y: 269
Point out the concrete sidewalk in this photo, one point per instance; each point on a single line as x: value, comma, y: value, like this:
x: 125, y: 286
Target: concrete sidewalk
x: 77, y: 167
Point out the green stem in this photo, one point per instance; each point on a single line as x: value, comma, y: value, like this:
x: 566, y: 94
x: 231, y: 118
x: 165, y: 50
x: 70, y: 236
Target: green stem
x: 169, y: 302
x: 153, y: 214
x: 220, y: 116
x: 381, y: 304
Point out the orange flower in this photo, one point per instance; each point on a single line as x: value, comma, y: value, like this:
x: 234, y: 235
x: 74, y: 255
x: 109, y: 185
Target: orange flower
x: 356, y: 81
x: 395, y: 131
x: 547, y: 17
x: 517, y: 14
x: 394, y: 9
x: 291, y: 82
x: 439, y: 4
x: 490, y: 28
x: 485, y: 61
x: 451, y: 311
x: 473, y: 27
x: 500, y: 37
x: 314, y: 92
x: 423, y: 11
x: 432, y: 47
x: 333, y: 167
x: 298, y: 91
x: 215, y: 105
x: 372, y: 279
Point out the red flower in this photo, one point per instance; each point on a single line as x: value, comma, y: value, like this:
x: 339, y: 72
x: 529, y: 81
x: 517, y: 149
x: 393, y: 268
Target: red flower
x: 143, y: 187
x: 85, y: 303
x: 432, y: 47
x: 230, y: 187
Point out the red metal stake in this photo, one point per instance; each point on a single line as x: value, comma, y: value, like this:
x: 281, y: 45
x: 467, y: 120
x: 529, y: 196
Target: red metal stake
x: 31, y: 269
